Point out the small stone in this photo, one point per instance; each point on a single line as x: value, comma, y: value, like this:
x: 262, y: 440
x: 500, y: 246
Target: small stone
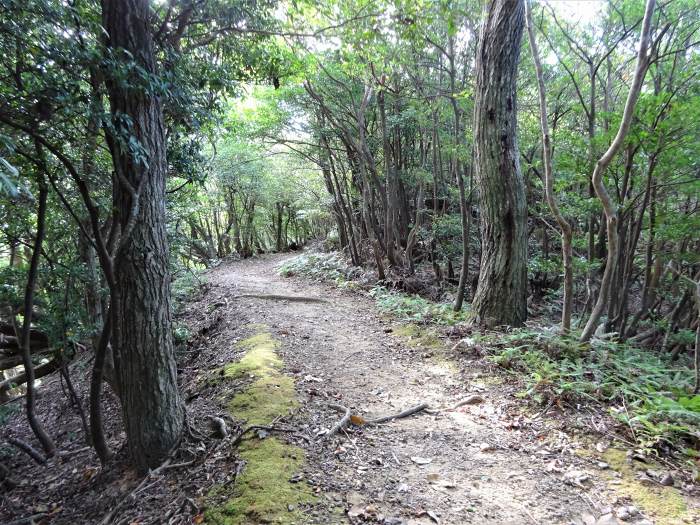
x: 667, y: 480
x: 602, y: 465
x: 485, y: 447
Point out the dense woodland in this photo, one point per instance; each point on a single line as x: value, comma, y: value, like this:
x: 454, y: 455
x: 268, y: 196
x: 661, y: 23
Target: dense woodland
x: 522, y: 161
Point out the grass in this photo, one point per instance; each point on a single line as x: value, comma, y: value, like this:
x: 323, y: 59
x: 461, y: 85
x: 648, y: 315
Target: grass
x: 416, y: 309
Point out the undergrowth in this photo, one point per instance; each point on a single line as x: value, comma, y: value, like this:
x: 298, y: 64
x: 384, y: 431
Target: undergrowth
x: 332, y: 267
x: 322, y: 266
x: 650, y: 395
x: 414, y: 308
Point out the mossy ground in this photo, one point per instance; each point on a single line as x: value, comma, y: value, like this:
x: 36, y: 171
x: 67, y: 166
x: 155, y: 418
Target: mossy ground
x: 665, y: 505
x: 263, y: 492
x: 418, y: 337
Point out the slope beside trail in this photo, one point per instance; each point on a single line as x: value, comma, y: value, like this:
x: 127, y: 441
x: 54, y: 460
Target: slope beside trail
x: 489, y: 462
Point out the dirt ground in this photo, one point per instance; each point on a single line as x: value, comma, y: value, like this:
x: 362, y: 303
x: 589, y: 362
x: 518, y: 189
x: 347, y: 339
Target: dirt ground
x: 494, y: 460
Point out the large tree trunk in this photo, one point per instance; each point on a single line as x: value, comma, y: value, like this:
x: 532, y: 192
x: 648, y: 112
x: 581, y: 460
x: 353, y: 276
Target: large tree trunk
x: 500, y: 297
x: 142, y: 337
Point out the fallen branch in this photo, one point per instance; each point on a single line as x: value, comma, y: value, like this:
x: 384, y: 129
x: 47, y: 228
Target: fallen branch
x: 275, y: 297
x: 27, y: 449
x: 400, y: 415
x: 108, y: 518
x: 347, y: 416
x: 340, y: 424
x: 41, y: 371
x: 269, y: 428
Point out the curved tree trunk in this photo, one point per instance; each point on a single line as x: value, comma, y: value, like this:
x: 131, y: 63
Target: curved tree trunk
x: 500, y: 297
x: 609, y: 208
x: 141, y: 322
x: 564, y: 226
x: 25, y: 335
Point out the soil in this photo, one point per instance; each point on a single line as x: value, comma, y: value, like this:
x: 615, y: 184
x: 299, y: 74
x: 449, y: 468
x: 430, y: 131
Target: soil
x: 496, y: 460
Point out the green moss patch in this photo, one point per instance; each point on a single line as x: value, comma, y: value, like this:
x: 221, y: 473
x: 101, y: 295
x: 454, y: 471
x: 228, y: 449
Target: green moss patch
x: 266, y: 398
x: 665, y: 505
x: 263, y: 492
x: 416, y: 336
x: 260, y: 360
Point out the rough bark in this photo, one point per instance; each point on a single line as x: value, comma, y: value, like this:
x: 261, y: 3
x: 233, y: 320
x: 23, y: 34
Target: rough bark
x: 500, y: 297
x: 141, y: 322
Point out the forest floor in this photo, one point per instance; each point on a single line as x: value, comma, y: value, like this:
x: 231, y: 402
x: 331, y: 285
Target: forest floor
x: 495, y: 460
x: 279, y: 352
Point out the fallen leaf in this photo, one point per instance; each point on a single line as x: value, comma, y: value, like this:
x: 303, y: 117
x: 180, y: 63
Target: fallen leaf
x: 357, y: 420
x: 199, y: 518
x: 433, y: 516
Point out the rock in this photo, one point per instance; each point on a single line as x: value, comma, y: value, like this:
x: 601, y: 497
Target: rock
x: 607, y: 519
x: 627, y: 512
x: 485, y: 447
x: 356, y: 511
x: 602, y: 465
x: 667, y: 480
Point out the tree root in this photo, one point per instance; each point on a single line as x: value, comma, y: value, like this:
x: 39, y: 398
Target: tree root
x: 27, y: 449
x: 347, y: 415
x: 274, y: 297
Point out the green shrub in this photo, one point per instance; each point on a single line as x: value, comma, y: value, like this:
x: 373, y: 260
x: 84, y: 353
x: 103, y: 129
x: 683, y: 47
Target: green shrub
x: 414, y: 308
x: 647, y: 392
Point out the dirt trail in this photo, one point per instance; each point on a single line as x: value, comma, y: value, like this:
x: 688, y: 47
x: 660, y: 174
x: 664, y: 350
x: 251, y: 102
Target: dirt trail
x: 482, y: 463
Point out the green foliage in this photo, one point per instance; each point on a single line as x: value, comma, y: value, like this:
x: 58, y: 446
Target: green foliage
x: 329, y: 267
x: 646, y: 392
x: 184, y: 286
x: 414, y: 308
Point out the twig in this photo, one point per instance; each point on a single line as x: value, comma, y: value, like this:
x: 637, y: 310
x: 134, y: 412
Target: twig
x: 27, y: 519
x: 400, y: 415
x: 340, y: 424
x: 27, y: 449
x: 110, y: 515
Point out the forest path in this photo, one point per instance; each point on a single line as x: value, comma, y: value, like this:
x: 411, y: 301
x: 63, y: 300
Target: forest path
x: 478, y: 464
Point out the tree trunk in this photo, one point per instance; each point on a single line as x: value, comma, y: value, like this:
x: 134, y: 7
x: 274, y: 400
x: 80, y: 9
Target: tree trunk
x: 609, y: 208
x: 142, y: 324
x: 564, y: 226
x: 34, y: 423
x: 500, y: 297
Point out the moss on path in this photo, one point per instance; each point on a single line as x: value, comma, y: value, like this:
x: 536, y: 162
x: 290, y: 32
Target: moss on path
x: 263, y: 493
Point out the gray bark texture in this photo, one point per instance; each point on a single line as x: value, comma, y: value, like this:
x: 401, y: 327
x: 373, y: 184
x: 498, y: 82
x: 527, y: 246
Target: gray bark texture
x: 500, y: 297
x: 141, y: 332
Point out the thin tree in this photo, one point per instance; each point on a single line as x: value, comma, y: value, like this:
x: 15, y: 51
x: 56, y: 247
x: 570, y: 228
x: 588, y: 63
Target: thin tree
x: 609, y: 208
x: 500, y: 297
x: 564, y: 226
